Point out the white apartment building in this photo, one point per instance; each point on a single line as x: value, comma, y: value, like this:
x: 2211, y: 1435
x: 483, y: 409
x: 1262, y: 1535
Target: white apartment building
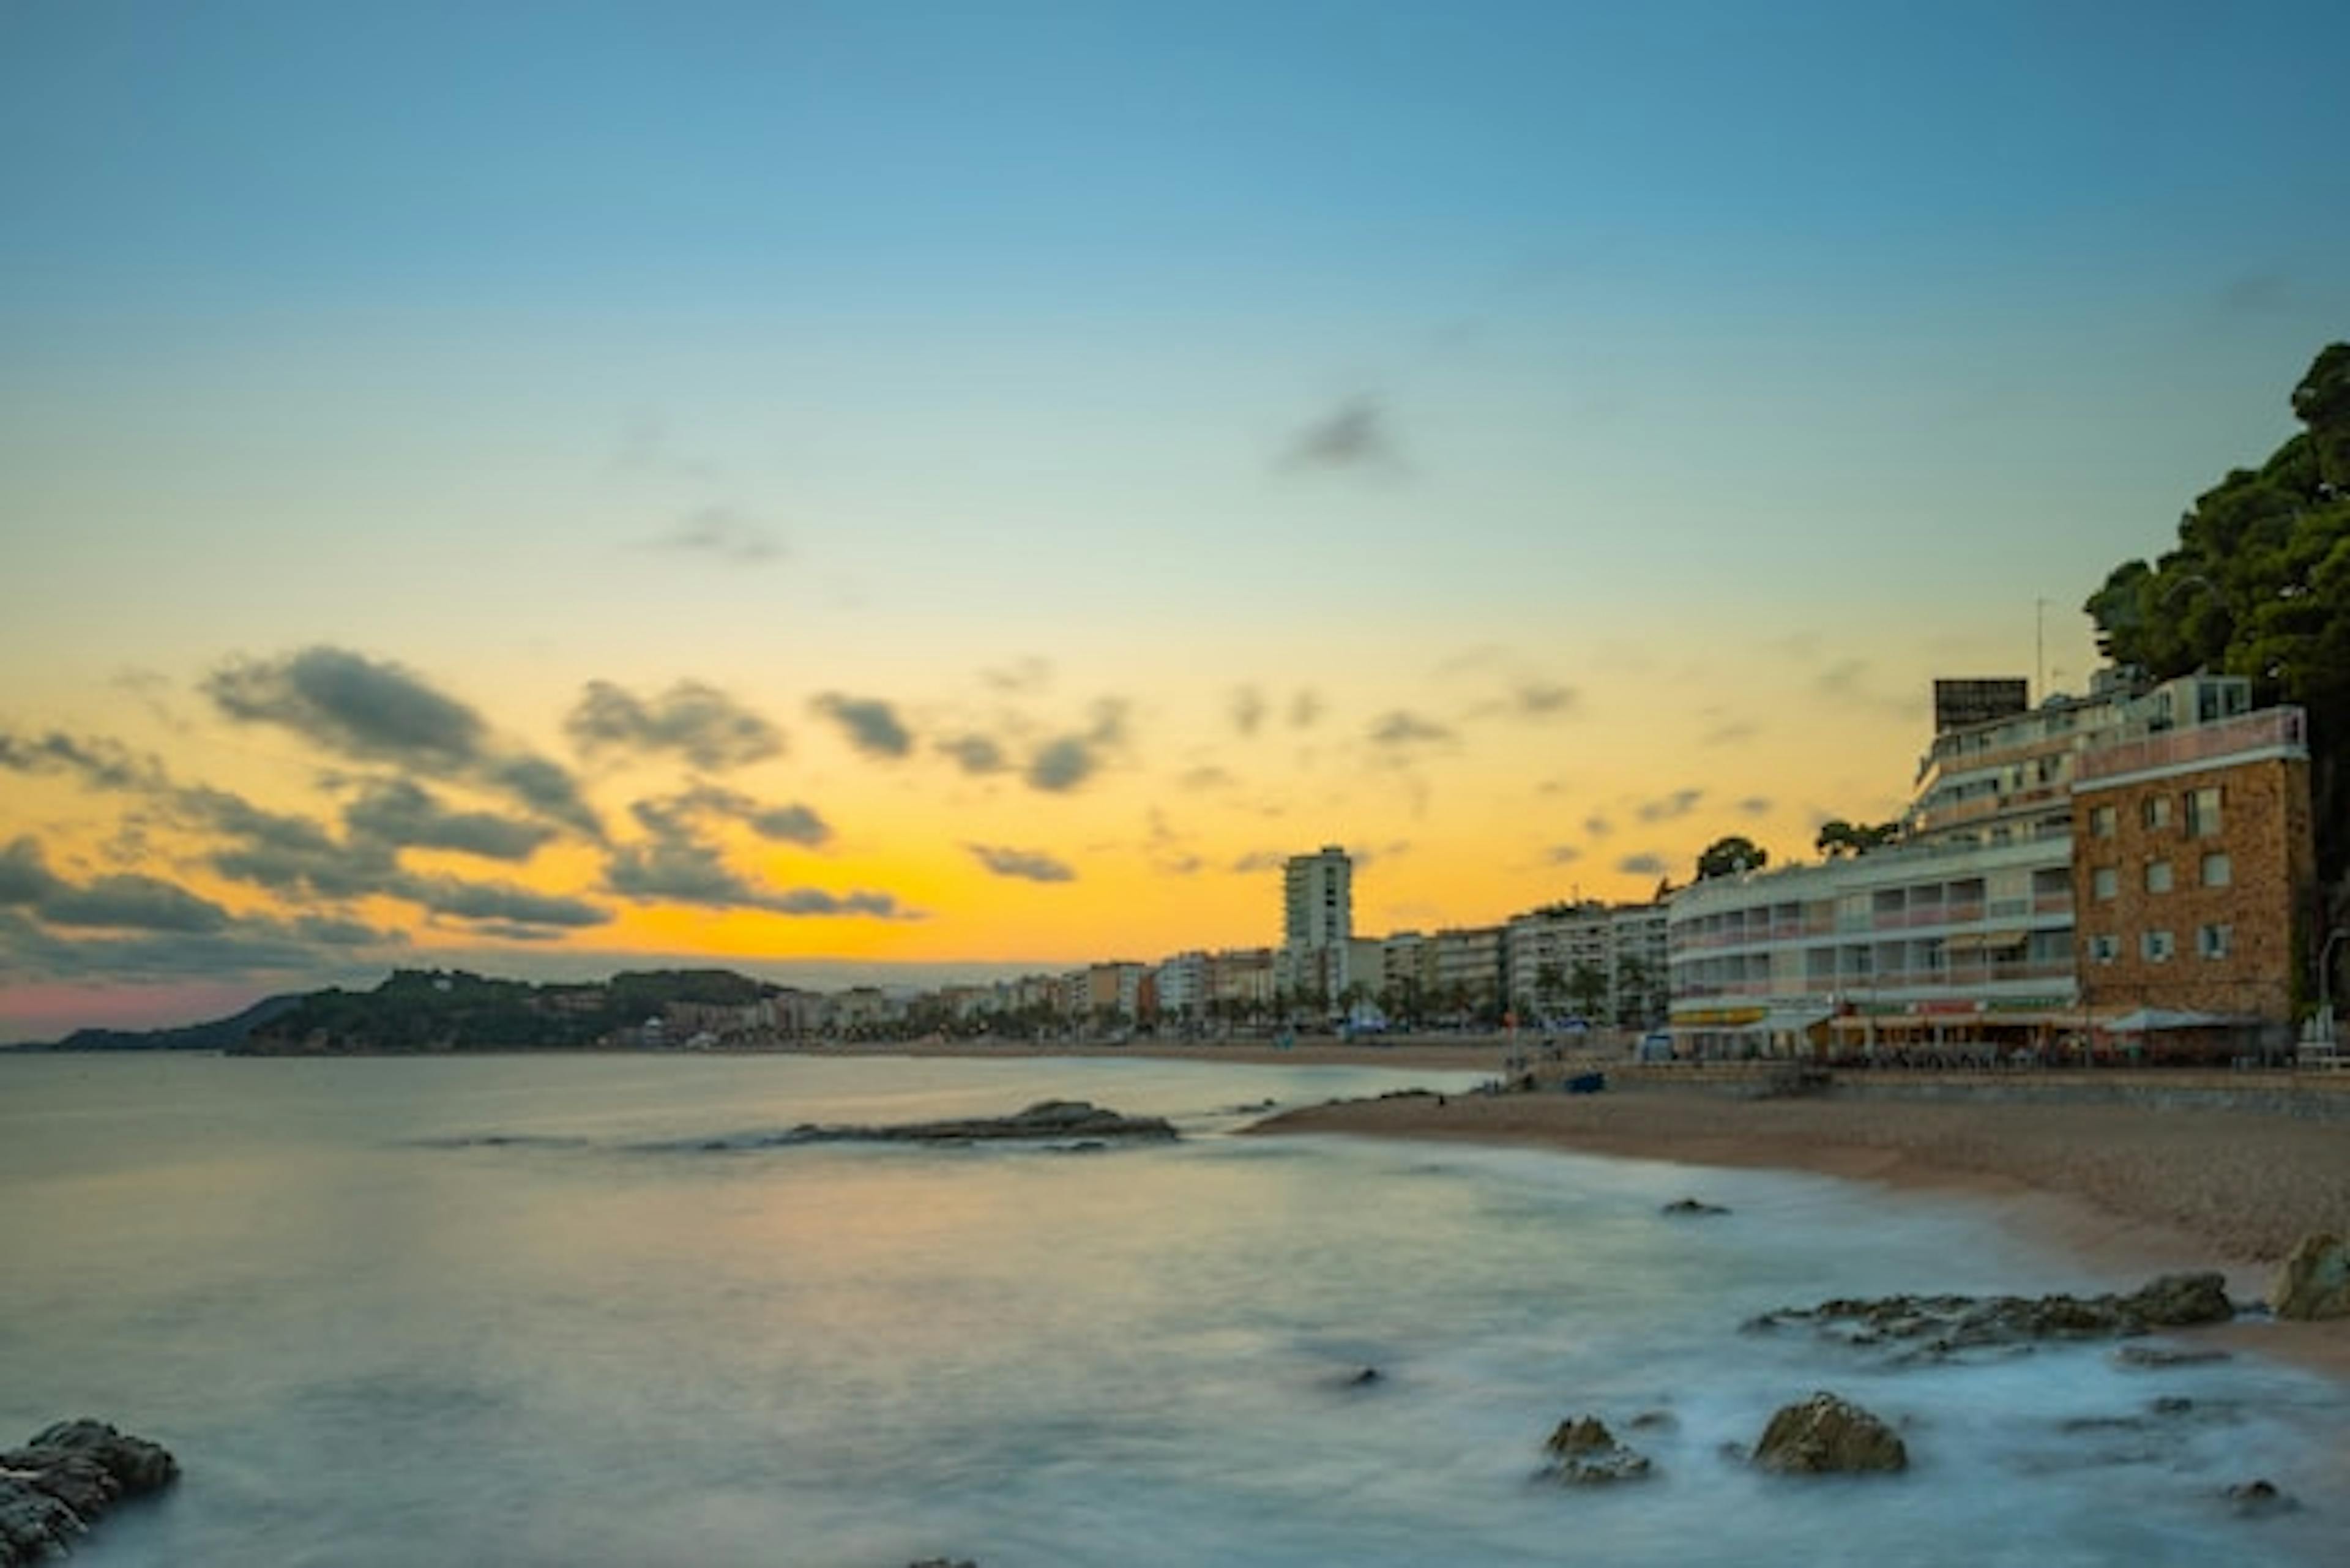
x: 1619, y: 954
x: 1961, y: 936
x: 1317, y: 920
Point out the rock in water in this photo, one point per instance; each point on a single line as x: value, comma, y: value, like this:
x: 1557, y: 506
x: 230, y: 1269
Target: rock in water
x: 2314, y: 1281
x: 1691, y: 1207
x: 56, y: 1487
x: 1584, y: 1452
x: 2179, y: 1301
x: 1828, y: 1435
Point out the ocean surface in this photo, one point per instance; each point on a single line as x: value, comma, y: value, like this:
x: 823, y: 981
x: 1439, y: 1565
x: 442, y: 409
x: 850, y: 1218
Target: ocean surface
x: 513, y: 1311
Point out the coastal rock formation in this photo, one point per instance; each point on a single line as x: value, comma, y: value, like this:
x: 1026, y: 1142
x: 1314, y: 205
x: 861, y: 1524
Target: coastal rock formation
x: 56, y: 1486
x: 2253, y: 1499
x: 1044, y: 1120
x: 2163, y: 1355
x: 1691, y: 1207
x: 1939, y: 1325
x: 2314, y: 1281
x: 1584, y: 1452
x: 1828, y: 1435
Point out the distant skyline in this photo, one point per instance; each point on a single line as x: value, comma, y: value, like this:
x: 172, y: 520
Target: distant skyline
x: 544, y: 487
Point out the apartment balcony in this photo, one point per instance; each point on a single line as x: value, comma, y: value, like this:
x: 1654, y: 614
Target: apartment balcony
x: 2271, y: 729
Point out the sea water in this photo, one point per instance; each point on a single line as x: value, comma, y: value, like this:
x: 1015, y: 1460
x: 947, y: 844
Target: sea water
x: 517, y: 1311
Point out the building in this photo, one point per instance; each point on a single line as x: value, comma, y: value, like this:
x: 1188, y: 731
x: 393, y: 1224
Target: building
x: 1468, y: 964
x: 2195, y: 869
x: 1318, y: 920
x: 2000, y: 921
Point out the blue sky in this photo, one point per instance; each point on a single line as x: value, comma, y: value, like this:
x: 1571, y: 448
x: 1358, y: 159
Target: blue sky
x: 1723, y: 371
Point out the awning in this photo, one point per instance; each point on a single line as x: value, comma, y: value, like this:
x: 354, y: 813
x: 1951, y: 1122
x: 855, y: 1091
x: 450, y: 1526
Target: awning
x: 1968, y: 941
x: 2150, y: 1019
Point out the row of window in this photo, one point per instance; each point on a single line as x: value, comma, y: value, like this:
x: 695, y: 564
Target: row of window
x: 2216, y: 871
x: 2198, y: 809
x: 2157, y: 947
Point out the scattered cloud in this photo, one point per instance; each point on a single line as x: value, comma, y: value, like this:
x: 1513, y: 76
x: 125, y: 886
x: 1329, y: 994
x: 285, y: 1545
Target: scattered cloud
x: 673, y: 864
x: 399, y: 814
x: 976, y: 754
x: 98, y: 764
x: 793, y: 824
x: 124, y: 902
x: 723, y: 533
x: 1259, y: 860
x: 1543, y: 699
x: 502, y: 903
x: 1562, y: 855
x: 379, y: 712
x: 699, y: 722
x: 871, y: 725
x: 1642, y: 866
x: 1596, y: 827
x: 1304, y: 708
x: 1755, y: 805
x: 1247, y: 709
x: 1399, y: 729
x: 1352, y: 437
x: 1023, y: 675
x: 1023, y: 864
x: 1065, y: 762
x: 1667, y: 809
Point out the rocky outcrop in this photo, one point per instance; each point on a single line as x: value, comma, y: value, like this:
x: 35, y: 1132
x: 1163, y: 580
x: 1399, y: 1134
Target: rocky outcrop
x: 1828, y: 1435
x: 56, y: 1486
x: 1691, y: 1208
x: 1939, y: 1325
x: 2314, y: 1281
x: 1048, y: 1120
x: 1584, y: 1452
x: 2253, y: 1499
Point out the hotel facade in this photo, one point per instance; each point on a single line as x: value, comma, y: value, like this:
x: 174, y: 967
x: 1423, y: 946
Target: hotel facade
x: 2137, y: 860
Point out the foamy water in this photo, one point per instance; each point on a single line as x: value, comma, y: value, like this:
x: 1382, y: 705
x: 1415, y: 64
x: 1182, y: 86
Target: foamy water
x: 374, y: 1341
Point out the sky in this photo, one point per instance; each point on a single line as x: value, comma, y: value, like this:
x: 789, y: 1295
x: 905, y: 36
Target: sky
x: 547, y: 488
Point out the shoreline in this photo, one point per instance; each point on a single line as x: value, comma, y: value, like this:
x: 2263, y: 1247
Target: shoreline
x: 2122, y: 1191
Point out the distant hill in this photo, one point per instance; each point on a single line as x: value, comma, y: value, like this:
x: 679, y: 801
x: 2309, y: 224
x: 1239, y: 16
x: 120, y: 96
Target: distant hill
x: 434, y: 1011
x: 221, y: 1034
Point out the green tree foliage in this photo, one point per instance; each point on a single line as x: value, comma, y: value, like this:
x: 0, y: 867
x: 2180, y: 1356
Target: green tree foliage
x: 1839, y: 839
x: 1728, y: 857
x: 2258, y: 585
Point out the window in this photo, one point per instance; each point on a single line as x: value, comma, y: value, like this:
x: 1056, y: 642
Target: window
x: 2218, y: 871
x: 2156, y: 811
x: 2215, y: 941
x: 2104, y: 882
x: 2102, y: 821
x: 2154, y: 947
x: 2157, y: 876
x: 2203, y: 812
x: 2105, y: 949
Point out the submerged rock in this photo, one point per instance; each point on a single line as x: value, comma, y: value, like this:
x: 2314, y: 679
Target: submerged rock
x: 1046, y: 1120
x: 2314, y: 1281
x: 1691, y: 1207
x: 2253, y: 1499
x: 1584, y: 1452
x: 1826, y: 1435
x: 56, y: 1486
x: 2161, y: 1356
x: 1940, y: 1325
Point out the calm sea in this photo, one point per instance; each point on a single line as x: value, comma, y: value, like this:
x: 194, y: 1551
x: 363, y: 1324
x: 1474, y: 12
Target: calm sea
x: 375, y: 1337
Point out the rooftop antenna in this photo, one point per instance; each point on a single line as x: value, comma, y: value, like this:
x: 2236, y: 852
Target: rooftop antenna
x: 2040, y: 650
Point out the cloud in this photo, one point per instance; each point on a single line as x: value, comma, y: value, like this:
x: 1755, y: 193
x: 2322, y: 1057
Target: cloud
x: 1846, y: 682
x: 1259, y: 860
x: 1353, y: 436
x: 98, y: 763
x: 1029, y: 674
x: 723, y: 533
x: 1543, y: 699
x: 379, y: 712
x: 703, y: 724
x: 245, y: 949
x: 1728, y: 734
x: 975, y: 755
x: 285, y: 854
x: 1398, y: 730
x: 871, y: 724
x: 1247, y: 709
x: 1755, y: 805
x: 793, y: 824
x: 127, y: 902
x: 501, y: 902
x: 1304, y: 708
x: 1024, y: 865
x: 1562, y: 855
x: 675, y: 865
x: 1064, y: 763
x: 1642, y: 866
x: 1679, y: 804
x: 1596, y: 827
x: 1203, y: 778
x: 402, y: 815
